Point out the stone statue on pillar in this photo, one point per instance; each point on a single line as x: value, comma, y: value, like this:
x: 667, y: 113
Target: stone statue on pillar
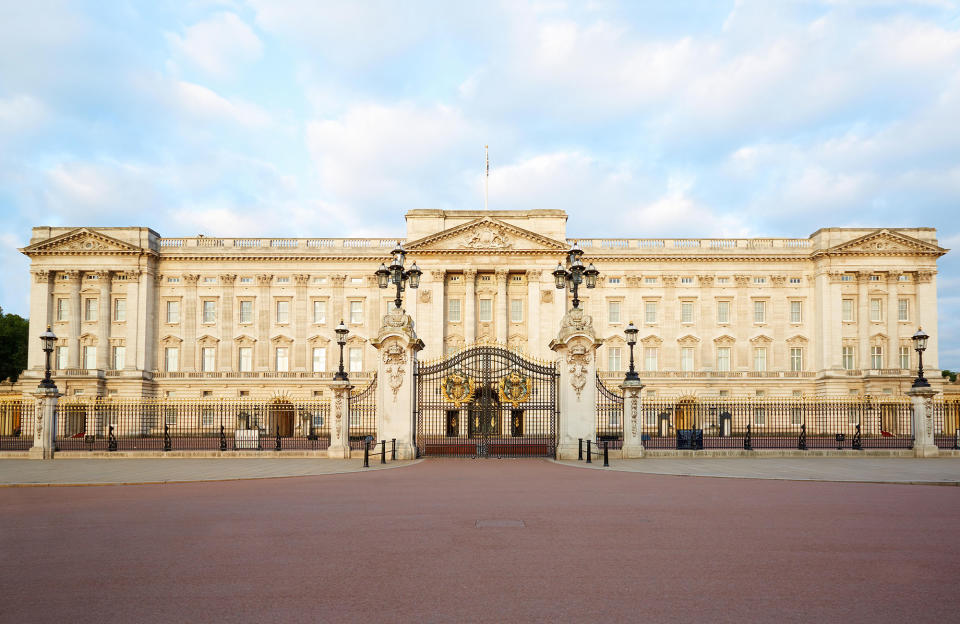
x: 397, y: 346
x: 576, y: 346
x: 339, y: 419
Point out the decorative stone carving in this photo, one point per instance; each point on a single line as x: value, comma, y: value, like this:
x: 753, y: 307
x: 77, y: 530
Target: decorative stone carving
x: 191, y: 279
x: 925, y: 277
x: 578, y: 360
x: 742, y: 280
x: 228, y: 278
x: 264, y: 279
x: 41, y: 276
x: 469, y: 275
x: 338, y: 280
x: 546, y: 296
x: 394, y: 320
x: 301, y: 279
x: 705, y: 280
x: 394, y: 359
x: 438, y: 276
x: 533, y: 275
x: 633, y: 415
x: 633, y: 281
x: 670, y: 280
x: 338, y: 411
x: 517, y: 342
x: 576, y: 321
x: 486, y: 237
x: 501, y: 274
x: 778, y: 281
x: 426, y: 295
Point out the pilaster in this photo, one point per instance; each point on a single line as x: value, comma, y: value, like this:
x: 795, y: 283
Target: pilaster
x: 227, y: 328
x: 189, y: 354
x: 262, y: 347
x: 503, y: 321
x: 533, y: 313
x: 41, y: 313
x: 300, y: 322
x: 73, y: 350
x: 436, y: 330
x: 104, y: 317
x: 470, y: 303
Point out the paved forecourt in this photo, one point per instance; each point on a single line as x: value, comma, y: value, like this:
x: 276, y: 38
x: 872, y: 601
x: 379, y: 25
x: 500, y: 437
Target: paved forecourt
x: 481, y: 540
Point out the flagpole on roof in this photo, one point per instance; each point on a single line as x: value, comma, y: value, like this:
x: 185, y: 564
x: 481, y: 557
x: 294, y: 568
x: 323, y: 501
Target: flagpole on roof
x: 486, y: 178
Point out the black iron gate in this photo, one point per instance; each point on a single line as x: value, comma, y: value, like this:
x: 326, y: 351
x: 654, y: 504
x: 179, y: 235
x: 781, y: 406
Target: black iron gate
x: 486, y: 401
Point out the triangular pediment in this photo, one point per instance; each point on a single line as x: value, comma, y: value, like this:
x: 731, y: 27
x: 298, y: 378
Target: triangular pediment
x: 486, y: 234
x: 84, y: 241
x: 884, y: 243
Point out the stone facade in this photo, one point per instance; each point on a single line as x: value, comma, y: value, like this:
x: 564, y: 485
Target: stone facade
x: 137, y: 314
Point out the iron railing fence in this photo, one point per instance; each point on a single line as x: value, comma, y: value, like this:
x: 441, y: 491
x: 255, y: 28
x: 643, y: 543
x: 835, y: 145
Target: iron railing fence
x: 609, y: 415
x: 777, y: 424
x: 363, y: 414
x: 946, y: 423
x: 168, y: 424
x: 16, y: 423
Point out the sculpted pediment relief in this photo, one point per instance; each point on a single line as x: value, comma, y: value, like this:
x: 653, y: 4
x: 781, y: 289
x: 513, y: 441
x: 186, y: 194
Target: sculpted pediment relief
x: 886, y: 242
x: 486, y: 234
x: 81, y: 241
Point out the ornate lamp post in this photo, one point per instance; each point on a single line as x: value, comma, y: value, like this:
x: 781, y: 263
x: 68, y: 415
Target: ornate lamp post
x: 631, y: 331
x: 341, y: 331
x: 575, y: 274
x: 47, y: 338
x: 396, y: 274
x: 920, y: 345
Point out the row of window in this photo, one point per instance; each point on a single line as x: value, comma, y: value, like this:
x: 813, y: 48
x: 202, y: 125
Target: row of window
x: 484, y: 311
x: 877, y: 312
x: 724, y: 355
x: 877, y: 357
x: 208, y: 310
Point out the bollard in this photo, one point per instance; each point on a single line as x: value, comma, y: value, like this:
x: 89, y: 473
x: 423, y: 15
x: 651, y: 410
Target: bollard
x: 606, y: 456
x: 383, y: 451
x: 589, y: 454
x: 840, y: 438
x: 112, y: 444
x: 393, y: 449
x: 366, y: 453
x: 579, y: 449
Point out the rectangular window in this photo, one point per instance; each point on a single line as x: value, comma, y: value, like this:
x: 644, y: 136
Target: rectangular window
x: 686, y: 280
x: 356, y: 360
x: 171, y: 359
x: 876, y: 310
x: 63, y: 309
x: 62, y: 357
x: 904, y: 357
x: 686, y: 311
x: 759, y: 311
x: 723, y: 359
x: 650, y: 359
x: 283, y: 280
x: 356, y: 312
x: 876, y: 357
x: 847, y: 311
x: 794, y: 280
x: 209, y: 311
x: 686, y: 358
x: 759, y: 280
x: 903, y: 277
x: 319, y: 359
x: 723, y: 311
x: 649, y: 280
x: 849, y: 358
x: 119, y: 357
x: 485, y: 311
x: 796, y: 416
x: 903, y: 309
x: 650, y: 312
x: 120, y: 310
x: 723, y: 280
x: 453, y: 311
x: 246, y: 311
x: 613, y: 358
x: 320, y: 312
x: 245, y: 357
x: 516, y: 310
x: 614, y: 280
x: 760, y: 359
x: 846, y: 277
x: 246, y: 280
x: 613, y: 311
x: 759, y: 417
x: 173, y: 311
x: 283, y: 360
x: 89, y: 357
x: 796, y: 358
x: 796, y: 311
x: 283, y: 312
x: 208, y: 360
x: 90, y: 309
x: 874, y: 278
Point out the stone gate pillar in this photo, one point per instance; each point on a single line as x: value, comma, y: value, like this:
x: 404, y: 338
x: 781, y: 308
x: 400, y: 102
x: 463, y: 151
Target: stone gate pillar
x: 576, y: 347
x: 339, y: 419
x: 44, y: 422
x: 397, y: 346
x: 921, y: 400
x: 632, y: 423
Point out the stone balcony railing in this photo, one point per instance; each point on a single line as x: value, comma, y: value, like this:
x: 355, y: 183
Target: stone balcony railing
x: 687, y: 244
x: 364, y: 376
x: 274, y: 244
x: 618, y: 375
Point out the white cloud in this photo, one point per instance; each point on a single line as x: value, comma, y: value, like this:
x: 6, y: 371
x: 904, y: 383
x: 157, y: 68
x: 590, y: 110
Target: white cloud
x: 218, y: 45
x: 204, y: 104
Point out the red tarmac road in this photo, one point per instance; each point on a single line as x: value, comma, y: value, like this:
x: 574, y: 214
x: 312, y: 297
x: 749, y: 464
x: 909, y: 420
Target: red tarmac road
x: 403, y: 545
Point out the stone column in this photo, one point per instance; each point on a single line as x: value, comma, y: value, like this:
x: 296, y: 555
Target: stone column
x: 132, y: 325
x: 147, y: 318
x: 436, y: 329
x: 397, y: 346
x: 927, y: 315
x: 503, y: 320
x: 227, y: 329
x: 337, y: 311
x: 73, y: 348
x: 262, y: 347
x: 921, y: 408
x: 44, y: 422
x: 41, y: 315
x: 533, y: 313
x: 339, y: 419
x: 189, y: 355
x: 576, y: 346
x: 742, y: 326
x: 104, y: 318
x: 301, y: 321
x: 863, y: 322
x: 670, y: 322
x: 632, y: 424
x: 470, y: 303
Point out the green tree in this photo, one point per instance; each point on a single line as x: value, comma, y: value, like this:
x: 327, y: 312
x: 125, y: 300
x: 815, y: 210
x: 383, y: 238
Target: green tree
x: 952, y: 375
x: 14, y: 338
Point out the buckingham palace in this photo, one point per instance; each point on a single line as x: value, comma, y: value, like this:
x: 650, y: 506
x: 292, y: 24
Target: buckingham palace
x: 137, y: 314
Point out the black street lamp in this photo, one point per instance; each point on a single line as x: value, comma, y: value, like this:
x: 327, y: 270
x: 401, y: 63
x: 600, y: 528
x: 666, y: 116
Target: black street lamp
x: 575, y: 274
x: 631, y: 331
x: 396, y: 274
x: 47, y: 338
x: 341, y: 331
x: 920, y: 345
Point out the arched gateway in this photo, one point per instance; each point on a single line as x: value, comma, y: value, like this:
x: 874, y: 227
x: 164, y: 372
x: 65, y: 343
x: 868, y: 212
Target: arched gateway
x: 486, y: 401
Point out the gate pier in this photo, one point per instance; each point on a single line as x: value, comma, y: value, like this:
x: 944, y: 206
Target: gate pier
x: 340, y: 420
x: 397, y: 346
x: 576, y: 346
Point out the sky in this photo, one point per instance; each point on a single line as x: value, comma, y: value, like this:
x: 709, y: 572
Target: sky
x: 640, y: 119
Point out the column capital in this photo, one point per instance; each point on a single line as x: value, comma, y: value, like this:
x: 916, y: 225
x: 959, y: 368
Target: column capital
x: 670, y: 280
x: 533, y: 275
x: 73, y: 275
x: 469, y: 275
x: 925, y: 277
x: 705, y: 280
x: 190, y: 279
x: 301, y: 279
x: 438, y: 276
x: 742, y: 281
x: 338, y: 280
x: 501, y: 274
x: 228, y: 278
x: 778, y: 281
x: 264, y: 279
x: 41, y: 275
